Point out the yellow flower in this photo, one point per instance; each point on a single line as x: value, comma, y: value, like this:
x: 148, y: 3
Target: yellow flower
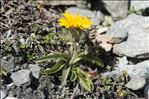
x: 69, y: 20
x: 86, y: 23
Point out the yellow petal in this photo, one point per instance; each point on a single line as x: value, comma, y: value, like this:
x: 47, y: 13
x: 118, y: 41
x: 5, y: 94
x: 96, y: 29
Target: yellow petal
x: 71, y: 20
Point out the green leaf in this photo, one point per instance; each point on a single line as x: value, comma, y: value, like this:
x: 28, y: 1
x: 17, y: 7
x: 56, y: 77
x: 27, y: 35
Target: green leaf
x: 53, y: 56
x: 3, y: 71
x: 65, y: 75
x: 73, y: 76
x: 84, y: 80
x: 86, y: 83
x: 75, y: 58
x: 93, y: 59
x: 54, y: 69
x: 97, y: 61
x: 80, y: 72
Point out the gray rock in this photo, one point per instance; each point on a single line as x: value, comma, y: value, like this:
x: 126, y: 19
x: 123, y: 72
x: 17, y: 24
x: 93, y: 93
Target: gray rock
x: 35, y: 70
x: 108, y: 21
x: 22, y: 41
x: 135, y: 72
x: 9, y: 33
x: 120, y: 66
x: 7, y: 63
x: 9, y: 86
x: 107, y: 47
x: 122, y: 61
x: 139, y: 4
x: 115, y: 74
x: 146, y: 92
x: 96, y: 17
x: 138, y: 73
x: 138, y: 70
x: 11, y: 97
x: 118, y: 9
x: 136, y: 44
x: 3, y: 94
x: 21, y: 77
x: 117, y: 33
x: 136, y: 83
x: 78, y: 3
x: 103, y: 39
x: 59, y: 2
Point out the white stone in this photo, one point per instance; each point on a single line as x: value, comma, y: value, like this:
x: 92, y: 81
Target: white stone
x: 136, y: 45
x: 146, y: 92
x: 35, y: 70
x: 136, y: 83
x: 11, y: 97
x: 2, y: 94
x: 21, y: 77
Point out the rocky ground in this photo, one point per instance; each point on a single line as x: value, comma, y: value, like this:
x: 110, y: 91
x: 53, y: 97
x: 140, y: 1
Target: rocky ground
x: 29, y: 29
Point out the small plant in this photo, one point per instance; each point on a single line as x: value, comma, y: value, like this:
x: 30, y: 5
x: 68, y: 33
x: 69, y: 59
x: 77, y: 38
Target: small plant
x: 71, y: 60
x: 30, y: 46
x: 3, y: 72
x: 110, y: 85
x: 135, y: 11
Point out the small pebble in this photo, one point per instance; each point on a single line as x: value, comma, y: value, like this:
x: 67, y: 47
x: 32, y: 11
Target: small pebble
x: 3, y: 94
x: 11, y: 98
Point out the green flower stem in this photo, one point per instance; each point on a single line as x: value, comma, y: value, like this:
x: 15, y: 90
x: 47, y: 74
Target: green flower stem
x: 74, y: 36
x: 74, y: 46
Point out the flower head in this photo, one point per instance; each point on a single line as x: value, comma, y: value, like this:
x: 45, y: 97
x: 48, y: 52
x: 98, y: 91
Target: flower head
x: 75, y: 20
